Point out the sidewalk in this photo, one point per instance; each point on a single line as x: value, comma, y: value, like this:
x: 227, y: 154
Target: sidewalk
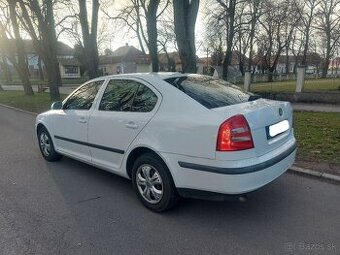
x: 316, y: 107
x: 63, y: 90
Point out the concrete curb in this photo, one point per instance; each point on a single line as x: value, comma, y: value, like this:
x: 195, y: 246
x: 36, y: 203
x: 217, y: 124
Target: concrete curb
x: 18, y: 110
x: 321, y: 175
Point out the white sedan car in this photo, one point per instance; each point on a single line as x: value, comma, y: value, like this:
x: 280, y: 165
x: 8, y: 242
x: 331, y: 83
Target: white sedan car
x: 173, y: 134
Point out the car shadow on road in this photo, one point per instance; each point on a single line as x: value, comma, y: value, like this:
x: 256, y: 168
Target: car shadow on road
x: 82, y: 183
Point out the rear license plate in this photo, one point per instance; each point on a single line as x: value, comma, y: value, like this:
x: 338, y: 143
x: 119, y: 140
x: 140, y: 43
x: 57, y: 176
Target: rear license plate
x: 276, y: 129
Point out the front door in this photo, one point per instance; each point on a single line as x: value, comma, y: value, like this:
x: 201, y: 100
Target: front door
x: 70, y: 127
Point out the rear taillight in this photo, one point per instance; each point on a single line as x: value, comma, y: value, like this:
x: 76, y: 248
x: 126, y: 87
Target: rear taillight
x: 234, y: 135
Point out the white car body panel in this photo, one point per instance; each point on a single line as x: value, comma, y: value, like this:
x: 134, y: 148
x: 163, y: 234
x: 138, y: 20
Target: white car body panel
x: 121, y: 128
x: 178, y: 129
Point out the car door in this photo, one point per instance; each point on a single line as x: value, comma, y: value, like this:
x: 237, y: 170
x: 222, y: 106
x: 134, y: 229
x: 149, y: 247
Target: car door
x: 70, y: 126
x: 126, y: 106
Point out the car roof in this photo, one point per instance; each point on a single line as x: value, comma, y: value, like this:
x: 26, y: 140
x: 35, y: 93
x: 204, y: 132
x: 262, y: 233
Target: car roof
x: 159, y: 75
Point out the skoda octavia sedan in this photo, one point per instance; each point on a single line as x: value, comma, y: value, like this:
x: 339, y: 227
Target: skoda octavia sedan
x: 172, y: 134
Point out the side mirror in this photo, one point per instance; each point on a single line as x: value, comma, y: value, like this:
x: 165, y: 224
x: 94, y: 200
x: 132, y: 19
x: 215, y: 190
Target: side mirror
x: 57, y: 105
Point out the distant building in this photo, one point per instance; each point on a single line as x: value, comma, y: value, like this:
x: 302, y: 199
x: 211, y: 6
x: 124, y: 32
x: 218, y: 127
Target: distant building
x: 68, y: 65
x: 290, y: 62
x: 126, y: 59
x: 207, y: 65
x: 334, y: 66
x: 170, y: 62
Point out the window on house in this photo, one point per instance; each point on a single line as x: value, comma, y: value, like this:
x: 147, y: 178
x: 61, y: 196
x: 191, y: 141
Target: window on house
x: 71, y: 69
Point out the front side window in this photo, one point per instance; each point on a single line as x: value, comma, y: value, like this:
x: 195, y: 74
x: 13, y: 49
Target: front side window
x: 83, y: 98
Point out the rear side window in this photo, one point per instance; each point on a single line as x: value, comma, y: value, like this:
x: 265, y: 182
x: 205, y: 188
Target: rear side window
x: 83, y: 98
x: 210, y: 92
x: 127, y: 96
x: 145, y: 100
x: 118, y: 95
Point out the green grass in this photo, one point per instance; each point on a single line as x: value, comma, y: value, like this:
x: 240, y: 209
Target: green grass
x: 38, y: 103
x: 34, y: 81
x: 289, y: 86
x: 318, y: 136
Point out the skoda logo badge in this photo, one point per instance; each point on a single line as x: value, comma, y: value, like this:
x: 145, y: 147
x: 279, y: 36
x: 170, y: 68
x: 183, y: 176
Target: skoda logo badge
x: 280, y: 111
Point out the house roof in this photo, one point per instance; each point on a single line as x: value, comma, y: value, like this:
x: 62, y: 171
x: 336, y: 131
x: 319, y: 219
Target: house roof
x: 62, y: 48
x: 173, y: 55
x: 69, y: 61
x: 125, y: 54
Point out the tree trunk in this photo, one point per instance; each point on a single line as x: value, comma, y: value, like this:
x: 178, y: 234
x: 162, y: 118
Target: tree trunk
x: 185, y: 14
x: 327, y: 59
x: 90, y: 38
x: 41, y: 72
x: 305, y: 50
x: 6, y: 71
x: 252, y: 33
x: 45, y: 43
x: 50, y: 47
x: 20, y: 58
x: 287, y: 60
x: 230, y: 37
x: 270, y: 75
x: 324, y: 70
x: 151, y: 24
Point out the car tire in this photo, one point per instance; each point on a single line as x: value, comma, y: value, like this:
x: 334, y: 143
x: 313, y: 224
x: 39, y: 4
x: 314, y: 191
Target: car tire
x: 46, y: 146
x: 153, y: 183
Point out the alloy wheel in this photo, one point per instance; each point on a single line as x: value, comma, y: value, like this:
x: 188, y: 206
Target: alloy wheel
x: 149, y: 183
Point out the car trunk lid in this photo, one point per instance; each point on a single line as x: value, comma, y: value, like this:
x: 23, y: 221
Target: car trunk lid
x: 270, y: 122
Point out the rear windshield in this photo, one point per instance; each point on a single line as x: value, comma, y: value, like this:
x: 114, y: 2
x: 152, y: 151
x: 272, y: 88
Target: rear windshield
x: 211, y: 92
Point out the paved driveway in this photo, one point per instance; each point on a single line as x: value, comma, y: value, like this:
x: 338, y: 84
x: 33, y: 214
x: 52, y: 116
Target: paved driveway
x: 71, y: 208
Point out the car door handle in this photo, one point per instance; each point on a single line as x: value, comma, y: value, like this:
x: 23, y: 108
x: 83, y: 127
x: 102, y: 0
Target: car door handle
x: 131, y: 125
x: 82, y: 120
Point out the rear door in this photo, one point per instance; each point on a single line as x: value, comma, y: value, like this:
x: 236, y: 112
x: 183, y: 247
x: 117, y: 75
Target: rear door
x: 126, y: 106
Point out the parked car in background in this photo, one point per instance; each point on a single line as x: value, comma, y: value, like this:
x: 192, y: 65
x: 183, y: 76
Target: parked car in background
x: 172, y: 134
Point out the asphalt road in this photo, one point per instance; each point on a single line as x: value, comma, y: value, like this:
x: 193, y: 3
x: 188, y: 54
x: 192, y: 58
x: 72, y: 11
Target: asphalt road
x: 71, y: 208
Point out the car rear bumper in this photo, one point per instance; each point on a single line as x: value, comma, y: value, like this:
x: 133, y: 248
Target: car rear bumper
x: 230, y: 177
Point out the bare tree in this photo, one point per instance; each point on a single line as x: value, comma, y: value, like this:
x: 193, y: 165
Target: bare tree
x: 16, y: 55
x: 255, y: 13
x: 138, y: 14
x: 38, y: 20
x: 308, y: 10
x: 228, y: 17
x: 185, y: 14
x: 328, y: 26
x: 151, y: 25
x: 90, y: 36
x: 130, y: 16
x: 278, y: 22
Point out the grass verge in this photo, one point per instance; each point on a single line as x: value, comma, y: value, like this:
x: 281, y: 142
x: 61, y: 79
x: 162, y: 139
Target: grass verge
x: 289, y: 86
x: 318, y: 136
x: 38, y: 103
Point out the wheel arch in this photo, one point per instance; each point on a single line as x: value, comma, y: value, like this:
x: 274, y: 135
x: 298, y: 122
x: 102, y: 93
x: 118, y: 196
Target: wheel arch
x: 39, y: 127
x: 137, y: 152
